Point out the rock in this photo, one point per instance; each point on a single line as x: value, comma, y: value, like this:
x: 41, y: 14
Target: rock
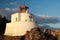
x: 1, y: 37
x: 34, y: 34
x: 13, y: 37
x: 58, y: 36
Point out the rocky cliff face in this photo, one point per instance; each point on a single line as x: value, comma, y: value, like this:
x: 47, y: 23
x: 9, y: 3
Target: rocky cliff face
x: 33, y: 34
x: 38, y: 34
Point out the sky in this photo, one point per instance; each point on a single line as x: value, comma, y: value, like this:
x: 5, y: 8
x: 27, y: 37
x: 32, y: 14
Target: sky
x: 46, y: 8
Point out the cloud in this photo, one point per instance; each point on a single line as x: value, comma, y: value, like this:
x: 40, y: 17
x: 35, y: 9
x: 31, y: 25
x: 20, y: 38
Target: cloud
x: 5, y: 2
x: 7, y: 12
x: 7, y: 9
x: 42, y: 19
x: 45, y: 26
x: 13, y: 3
x: 15, y: 9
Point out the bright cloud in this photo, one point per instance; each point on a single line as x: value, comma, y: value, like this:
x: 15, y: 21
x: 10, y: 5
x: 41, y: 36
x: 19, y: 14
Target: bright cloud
x: 7, y: 9
x: 45, y: 19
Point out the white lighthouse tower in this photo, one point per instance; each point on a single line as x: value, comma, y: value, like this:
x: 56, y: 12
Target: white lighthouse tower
x: 20, y: 22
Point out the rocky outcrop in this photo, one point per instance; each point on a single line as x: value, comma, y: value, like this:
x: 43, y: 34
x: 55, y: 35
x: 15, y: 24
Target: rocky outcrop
x: 13, y: 38
x: 54, y: 33
x: 38, y: 34
x: 35, y: 34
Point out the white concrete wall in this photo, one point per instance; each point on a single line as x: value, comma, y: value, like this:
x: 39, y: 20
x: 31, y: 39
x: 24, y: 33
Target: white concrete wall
x: 21, y: 17
x: 18, y: 28
x: 25, y: 17
x: 15, y: 17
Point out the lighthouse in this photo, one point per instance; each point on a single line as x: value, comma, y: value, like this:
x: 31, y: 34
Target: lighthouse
x: 21, y: 22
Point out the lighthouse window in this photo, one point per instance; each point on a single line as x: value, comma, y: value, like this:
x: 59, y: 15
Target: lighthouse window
x: 30, y: 16
x: 25, y: 20
x: 23, y: 9
x: 16, y: 19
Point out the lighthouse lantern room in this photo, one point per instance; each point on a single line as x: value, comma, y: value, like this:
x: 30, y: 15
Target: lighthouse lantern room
x: 23, y: 9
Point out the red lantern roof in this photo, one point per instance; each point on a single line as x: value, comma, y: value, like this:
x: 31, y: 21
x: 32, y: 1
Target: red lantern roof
x: 23, y: 6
